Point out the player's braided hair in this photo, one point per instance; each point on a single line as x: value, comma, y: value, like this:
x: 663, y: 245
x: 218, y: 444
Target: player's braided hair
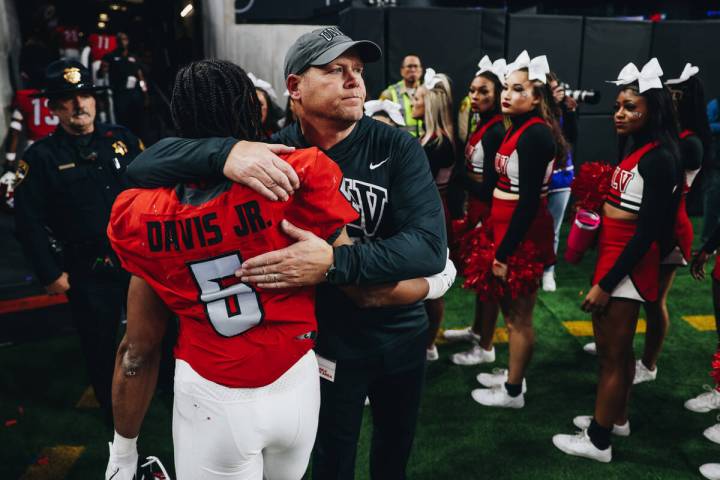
x: 215, y: 98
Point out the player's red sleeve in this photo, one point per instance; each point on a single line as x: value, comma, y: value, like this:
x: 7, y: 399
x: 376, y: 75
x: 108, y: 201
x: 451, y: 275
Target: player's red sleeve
x: 319, y: 205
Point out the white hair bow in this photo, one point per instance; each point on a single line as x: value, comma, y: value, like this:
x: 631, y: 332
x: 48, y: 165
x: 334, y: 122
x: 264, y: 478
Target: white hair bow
x: 538, y: 67
x: 391, y: 108
x: 263, y: 85
x: 431, y: 79
x: 689, y: 71
x: 497, y: 67
x: 647, y: 78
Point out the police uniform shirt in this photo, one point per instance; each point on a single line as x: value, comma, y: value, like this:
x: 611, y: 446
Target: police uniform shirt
x: 387, y: 178
x: 68, y: 185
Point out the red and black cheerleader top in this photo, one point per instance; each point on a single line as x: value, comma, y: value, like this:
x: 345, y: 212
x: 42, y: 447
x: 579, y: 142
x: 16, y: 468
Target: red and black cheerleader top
x: 476, y: 148
x: 524, y: 164
x: 645, y: 183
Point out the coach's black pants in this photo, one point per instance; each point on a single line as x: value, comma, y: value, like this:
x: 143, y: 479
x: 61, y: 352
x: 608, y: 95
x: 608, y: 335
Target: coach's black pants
x: 96, y: 302
x: 393, y: 382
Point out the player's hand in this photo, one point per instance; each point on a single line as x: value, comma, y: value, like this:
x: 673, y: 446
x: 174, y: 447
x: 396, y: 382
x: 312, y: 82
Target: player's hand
x: 301, y: 264
x: 121, y: 467
x: 697, y: 266
x: 500, y: 269
x: 257, y: 166
x: 60, y: 285
x: 596, y: 300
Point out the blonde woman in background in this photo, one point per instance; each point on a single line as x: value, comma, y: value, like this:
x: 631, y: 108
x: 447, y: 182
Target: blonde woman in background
x: 432, y: 103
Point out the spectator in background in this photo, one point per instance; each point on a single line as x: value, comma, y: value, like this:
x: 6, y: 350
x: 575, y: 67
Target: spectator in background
x: 563, y: 171
x: 402, y: 93
x: 31, y: 119
x: 270, y: 112
x: 711, y: 173
x: 432, y: 103
x: 129, y: 90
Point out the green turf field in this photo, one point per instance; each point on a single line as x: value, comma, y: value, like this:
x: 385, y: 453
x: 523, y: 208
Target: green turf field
x: 456, y: 438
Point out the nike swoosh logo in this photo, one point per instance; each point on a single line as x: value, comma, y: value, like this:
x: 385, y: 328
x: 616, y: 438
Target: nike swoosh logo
x: 115, y: 473
x: 373, y: 166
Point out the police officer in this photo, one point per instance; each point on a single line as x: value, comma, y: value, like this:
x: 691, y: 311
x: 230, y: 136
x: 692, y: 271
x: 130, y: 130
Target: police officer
x: 402, y: 93
x: 130, y: 92
x: 68, y: 183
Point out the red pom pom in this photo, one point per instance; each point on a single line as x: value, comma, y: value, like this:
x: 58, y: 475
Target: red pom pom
x: 478, y: 254
x: 715, y: 373
x: 591, y: 185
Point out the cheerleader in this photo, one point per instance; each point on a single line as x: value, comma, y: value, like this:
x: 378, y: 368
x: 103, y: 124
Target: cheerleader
x: 522, y: 229
x: 270, y: 111
x: 687, y: 93
x: 479, y: 180
x: 637, y: 216
x: 432, y: 103
x: 710, y: 400
x: 385, y: 111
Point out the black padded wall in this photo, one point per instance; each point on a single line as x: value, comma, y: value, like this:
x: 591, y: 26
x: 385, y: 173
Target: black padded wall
x: 596, y: 140
x: 493, y: 32
x: 448, y: 40
x: 368, y: 24
x: 608, y: 46
x: 677, y: 42
x: 558, y: 37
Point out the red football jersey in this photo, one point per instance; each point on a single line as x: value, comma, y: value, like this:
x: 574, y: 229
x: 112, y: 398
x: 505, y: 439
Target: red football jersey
x: 231, y: 333
x: 101, y: 44
x: 32, y: 115
x: 69, y: 36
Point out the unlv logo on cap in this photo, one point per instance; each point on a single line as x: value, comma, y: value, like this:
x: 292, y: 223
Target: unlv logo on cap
x: 331, y: 32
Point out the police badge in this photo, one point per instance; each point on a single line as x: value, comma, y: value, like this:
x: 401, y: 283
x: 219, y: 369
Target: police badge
x: 72, y: 75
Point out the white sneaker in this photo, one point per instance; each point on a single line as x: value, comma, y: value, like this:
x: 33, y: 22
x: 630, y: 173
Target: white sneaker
x: 497, y: 378
x: 497, y: 397
x: 644, y: 374
x: 704, y: 402
x: 581, y: 446
x: 710, y: 471
x: 713, y: 433
x: 431, y: 354
x: 548, y: 282
x: 583, y: 423
x: 461, y: 335
x: 590, y: 348
x: 475, y: 356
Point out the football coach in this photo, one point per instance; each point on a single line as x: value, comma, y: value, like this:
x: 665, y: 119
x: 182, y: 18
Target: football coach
x: 400, y: 234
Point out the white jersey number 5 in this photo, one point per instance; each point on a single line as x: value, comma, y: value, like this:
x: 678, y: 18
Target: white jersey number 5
x: 232, y: 307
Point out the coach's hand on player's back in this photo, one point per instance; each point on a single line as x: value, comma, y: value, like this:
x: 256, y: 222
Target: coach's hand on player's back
x: 302, y: 263
x: 258, y: 166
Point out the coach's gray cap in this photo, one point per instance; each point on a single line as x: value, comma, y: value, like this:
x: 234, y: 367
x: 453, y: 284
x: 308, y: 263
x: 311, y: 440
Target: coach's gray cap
x: 324, y: 45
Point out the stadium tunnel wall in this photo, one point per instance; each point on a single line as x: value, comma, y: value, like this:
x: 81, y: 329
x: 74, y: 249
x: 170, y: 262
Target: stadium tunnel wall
x: 10, y: 45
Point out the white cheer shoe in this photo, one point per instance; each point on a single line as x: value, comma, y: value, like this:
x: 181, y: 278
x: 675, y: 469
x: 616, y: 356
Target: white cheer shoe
x: 583, y: 423
x: 475, y: 356
x: 580, y: 445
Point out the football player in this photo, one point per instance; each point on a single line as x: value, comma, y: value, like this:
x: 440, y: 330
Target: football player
x: 247, y: 391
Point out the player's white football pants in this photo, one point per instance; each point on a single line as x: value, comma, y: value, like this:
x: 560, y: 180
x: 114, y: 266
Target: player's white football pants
x: 245, y: 433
